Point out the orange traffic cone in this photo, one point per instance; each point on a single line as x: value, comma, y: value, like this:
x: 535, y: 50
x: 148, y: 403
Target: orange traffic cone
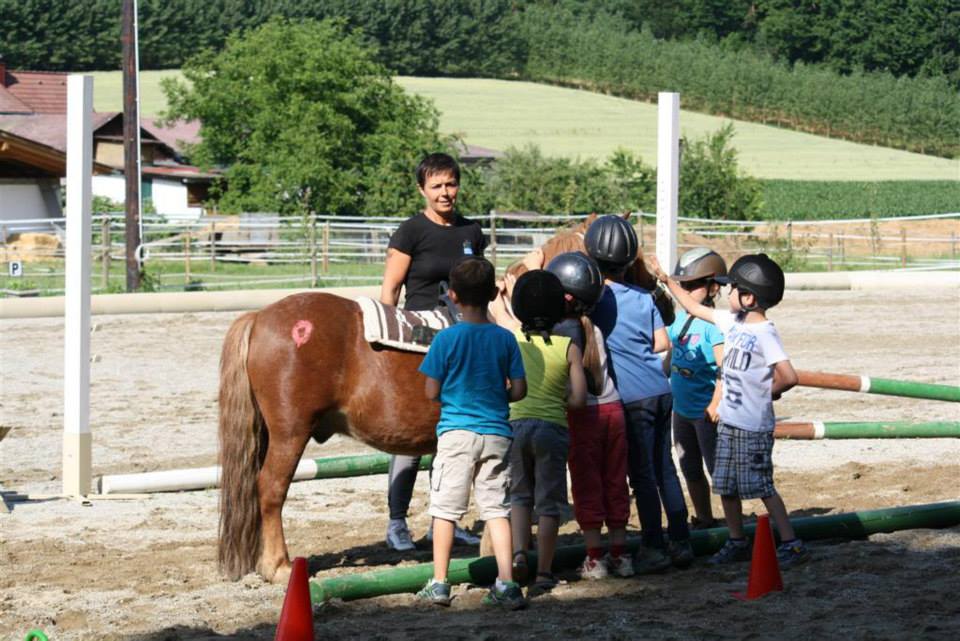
x: 764, y: 568
x: 296, y: 617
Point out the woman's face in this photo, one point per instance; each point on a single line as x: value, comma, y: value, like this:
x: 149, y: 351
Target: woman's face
x: 440, y: 192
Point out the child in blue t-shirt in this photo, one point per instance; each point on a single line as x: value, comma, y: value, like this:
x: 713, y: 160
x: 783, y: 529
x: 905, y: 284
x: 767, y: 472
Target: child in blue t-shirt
x: 693, y: 366
x: 634, y: 334
x: 467, y: 370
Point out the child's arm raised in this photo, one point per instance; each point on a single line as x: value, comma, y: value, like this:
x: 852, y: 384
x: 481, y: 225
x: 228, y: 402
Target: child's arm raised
x: 784, y: 377
x: 680, y: 295
x: 577, y: 397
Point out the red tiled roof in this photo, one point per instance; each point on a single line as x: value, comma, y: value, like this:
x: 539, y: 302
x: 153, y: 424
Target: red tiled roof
x: 47, y: 129
x: 44, y: 92
x: 181, y: 131
x: 11, y: 104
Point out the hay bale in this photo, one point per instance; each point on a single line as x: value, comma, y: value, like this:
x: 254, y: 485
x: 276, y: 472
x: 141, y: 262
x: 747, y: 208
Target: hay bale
x: 31, y: 247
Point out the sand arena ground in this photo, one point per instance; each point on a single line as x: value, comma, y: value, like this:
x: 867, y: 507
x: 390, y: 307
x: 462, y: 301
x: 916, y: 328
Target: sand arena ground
x: 145, y: 569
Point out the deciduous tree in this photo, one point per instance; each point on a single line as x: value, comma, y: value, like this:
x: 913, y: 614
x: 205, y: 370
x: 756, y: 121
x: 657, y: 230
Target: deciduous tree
x: 302, y: 119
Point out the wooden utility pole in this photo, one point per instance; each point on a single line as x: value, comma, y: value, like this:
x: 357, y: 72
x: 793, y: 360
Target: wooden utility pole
x: 131, y: 144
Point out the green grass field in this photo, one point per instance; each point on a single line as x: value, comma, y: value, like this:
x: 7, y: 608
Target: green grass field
x: 574, y: 123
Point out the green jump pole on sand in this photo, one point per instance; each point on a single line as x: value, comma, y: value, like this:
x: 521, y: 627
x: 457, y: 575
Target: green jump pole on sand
x: 815, y: 430
x: 483, y: 570
x: 884, y: 386
x: 337, y: 467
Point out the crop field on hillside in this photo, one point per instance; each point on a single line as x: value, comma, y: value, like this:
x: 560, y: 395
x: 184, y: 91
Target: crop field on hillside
x: 574, y: 123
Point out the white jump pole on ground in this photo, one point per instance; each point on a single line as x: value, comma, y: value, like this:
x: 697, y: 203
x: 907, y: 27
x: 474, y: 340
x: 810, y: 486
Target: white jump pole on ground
x: 668, y: 177
x: 76, y: 353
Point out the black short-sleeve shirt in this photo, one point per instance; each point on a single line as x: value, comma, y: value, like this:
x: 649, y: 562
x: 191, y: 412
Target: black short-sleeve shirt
x: 433, y: 249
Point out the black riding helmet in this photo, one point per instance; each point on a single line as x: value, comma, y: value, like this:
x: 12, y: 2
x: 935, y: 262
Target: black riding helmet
x: 612, y: 242
x: 759, y: 275
x: 538, y: 300
x: 580, y: 276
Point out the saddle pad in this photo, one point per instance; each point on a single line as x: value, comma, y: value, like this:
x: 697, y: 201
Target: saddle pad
x: 398, y: 328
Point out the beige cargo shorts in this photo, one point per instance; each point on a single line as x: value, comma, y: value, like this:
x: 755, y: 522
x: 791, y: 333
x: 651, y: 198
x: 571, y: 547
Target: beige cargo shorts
x: 466, y: 459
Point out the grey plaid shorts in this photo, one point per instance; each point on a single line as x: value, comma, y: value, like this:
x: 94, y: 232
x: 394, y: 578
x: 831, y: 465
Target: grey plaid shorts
x: 744, y: 463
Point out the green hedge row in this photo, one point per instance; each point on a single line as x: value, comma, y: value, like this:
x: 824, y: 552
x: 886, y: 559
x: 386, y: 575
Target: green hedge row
x: 813, y: 200
x: 919, y: 114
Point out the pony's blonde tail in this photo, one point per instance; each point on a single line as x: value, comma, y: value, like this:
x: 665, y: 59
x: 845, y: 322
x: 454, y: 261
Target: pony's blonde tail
x: 241, y: 427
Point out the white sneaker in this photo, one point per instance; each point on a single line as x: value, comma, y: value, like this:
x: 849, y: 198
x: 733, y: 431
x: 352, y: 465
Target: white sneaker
x: 593, y: 569
x: 621, y: 566
x: 398, y: 536
x: 460, y: 536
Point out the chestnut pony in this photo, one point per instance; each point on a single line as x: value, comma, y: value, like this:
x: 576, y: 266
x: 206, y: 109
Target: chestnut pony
x: 300, y: 368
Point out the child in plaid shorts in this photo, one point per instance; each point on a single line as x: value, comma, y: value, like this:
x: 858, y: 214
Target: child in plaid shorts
x: 755, y: 372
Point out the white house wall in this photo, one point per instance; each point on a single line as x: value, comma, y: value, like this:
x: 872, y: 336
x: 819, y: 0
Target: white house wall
x: 112, y: 187
x: 170, y: 199
x: 24, y: 199
x: 169, y: 196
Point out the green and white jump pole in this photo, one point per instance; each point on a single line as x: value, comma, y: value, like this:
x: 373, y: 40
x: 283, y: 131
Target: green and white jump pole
x: 483, y: 570
x: 884, y: 386
x: 816, y: 430
x: 208, y: 477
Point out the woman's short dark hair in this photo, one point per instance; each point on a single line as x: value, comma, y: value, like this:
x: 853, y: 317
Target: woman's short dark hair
x: 474, y: 280
x: 437, y: 164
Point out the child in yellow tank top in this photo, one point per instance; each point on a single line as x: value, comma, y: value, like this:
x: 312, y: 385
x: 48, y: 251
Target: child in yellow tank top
x: 538, y: 457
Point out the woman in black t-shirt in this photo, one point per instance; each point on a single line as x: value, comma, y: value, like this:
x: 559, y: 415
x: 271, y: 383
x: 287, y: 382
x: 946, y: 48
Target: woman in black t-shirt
x: 420, y: 255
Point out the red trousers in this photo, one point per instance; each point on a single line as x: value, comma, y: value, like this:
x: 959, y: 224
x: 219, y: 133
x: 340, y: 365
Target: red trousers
x: 598, y: 466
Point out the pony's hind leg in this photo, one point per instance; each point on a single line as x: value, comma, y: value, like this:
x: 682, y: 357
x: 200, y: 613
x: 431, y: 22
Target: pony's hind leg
x: 287, y: 440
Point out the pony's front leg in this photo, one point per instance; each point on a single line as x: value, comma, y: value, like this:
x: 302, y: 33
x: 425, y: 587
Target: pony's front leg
x: 283, y: 455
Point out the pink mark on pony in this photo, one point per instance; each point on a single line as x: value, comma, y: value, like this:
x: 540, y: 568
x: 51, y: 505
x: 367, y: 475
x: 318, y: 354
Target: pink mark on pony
x: 301, y: 332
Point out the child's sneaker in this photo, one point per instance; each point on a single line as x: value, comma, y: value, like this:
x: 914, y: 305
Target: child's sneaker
x: 792, y: 553
x: 436, y: 592
x: 593, y: 569
x: 681, y: 553
x: 650, y: 560
x: 731, y: 552
x: 509, y: 597
x: 620, y: 566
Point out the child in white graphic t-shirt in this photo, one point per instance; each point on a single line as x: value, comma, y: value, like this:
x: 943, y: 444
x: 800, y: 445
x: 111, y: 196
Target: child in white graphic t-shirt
x: 755, y: 372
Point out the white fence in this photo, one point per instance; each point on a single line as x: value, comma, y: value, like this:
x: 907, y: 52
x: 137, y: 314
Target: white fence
x: 267, y: 250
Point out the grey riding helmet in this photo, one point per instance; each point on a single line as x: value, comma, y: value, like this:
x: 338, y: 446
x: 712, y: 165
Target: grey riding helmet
x: 700, y: 263
x: 580, y: 276
x: 759, y: 275
x: 612, y: 242
x: 538, y: 300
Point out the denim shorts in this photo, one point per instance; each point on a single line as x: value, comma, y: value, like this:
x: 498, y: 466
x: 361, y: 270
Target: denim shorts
x: 744, y: 463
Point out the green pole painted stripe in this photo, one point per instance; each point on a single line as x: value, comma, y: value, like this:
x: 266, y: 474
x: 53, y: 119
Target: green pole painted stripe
x: 483, y: 570
x: 910, y: 389
x: 893, y: 429
x: 335, y: 467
